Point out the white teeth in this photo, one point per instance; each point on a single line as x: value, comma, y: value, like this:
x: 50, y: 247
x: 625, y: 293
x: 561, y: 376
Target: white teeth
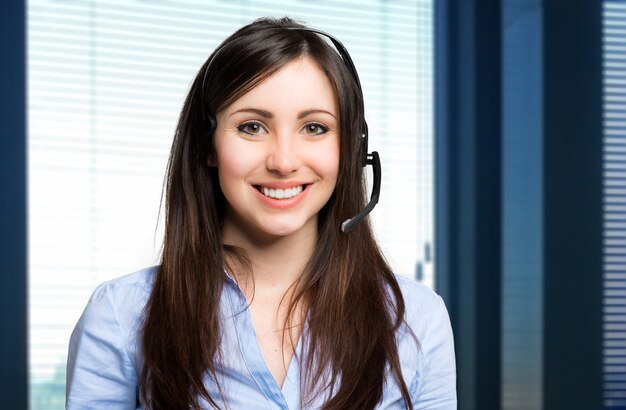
x: 282, y: 193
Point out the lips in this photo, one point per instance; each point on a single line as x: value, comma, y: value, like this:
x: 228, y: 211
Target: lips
x: 281, y: 195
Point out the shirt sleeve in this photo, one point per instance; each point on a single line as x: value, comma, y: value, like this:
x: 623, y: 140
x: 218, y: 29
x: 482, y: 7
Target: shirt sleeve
x: 100, y: 374
x: 435, y: 383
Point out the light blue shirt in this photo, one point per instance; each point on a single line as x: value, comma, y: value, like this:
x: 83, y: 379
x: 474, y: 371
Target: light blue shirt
x: 104, y: 362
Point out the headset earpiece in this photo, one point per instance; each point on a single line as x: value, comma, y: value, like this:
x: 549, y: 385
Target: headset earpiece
x: 365, y: 142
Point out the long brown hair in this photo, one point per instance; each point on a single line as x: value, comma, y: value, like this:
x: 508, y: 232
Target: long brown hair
x: 355, y: 305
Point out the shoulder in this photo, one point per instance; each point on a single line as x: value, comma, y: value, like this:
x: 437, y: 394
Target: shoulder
x: 117, y: 306
x: 429, y: 368
x: 425, y: 314
x: 103, y: 364
x: 422, y: 304
x: 417, y: 295
x: 136, y: 283
x: 133, y: 288
x: 121, y: 299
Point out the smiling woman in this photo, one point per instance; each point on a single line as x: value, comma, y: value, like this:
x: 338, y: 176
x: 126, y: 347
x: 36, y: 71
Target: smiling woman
x: 261, y: 300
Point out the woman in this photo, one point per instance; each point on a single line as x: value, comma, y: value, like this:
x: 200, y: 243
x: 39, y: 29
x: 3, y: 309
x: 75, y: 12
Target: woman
x: 260, y: 300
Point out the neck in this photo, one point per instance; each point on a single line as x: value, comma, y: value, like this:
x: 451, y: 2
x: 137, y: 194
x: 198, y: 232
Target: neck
x: 276, y: 261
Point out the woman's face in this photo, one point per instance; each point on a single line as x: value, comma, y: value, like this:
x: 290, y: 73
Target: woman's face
x: 277, y: 152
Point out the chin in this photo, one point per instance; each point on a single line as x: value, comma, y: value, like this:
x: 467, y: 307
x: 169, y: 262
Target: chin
x: 282, y: 230
x: 287, y: 226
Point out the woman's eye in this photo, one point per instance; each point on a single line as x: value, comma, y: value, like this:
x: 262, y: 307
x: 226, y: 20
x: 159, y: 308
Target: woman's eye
x: 252, y: 128
x: 315, y: 129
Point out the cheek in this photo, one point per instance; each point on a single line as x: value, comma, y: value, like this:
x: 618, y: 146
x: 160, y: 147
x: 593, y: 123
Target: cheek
x: 229, y: 166
x: 236, y: 154
x: 327, y: 162
x: 233, y: 163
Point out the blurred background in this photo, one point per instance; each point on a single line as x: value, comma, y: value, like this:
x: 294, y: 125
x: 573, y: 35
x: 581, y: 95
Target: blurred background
x: 501, y: 126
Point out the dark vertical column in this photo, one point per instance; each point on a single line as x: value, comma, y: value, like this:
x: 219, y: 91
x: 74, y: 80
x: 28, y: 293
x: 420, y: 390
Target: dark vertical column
x: 468, y: 194
x: 572, y: 204
x: 13, y: 340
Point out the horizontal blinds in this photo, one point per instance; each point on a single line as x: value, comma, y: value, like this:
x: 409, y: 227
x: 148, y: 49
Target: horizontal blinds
x: 106, y: 81
x: 615, y: 204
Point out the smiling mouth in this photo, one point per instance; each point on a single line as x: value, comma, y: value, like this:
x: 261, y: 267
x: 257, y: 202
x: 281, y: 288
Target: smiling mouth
x: 281, y: 193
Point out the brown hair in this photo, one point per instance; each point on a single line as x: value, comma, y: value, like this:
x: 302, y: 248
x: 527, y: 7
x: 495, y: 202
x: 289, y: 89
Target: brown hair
x: 355, y: 305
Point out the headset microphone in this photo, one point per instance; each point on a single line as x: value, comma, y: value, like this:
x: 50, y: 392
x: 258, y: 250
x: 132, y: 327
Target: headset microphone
x: 374, y: 160
x: 369, y: 159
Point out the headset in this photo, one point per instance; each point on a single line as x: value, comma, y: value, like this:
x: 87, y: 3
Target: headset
x: 372, y: 158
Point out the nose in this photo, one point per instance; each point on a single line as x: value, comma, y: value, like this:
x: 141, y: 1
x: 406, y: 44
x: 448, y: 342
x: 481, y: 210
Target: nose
x: 283, y: 158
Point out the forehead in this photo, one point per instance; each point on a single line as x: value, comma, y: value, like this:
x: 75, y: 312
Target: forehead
x: 298, y: 85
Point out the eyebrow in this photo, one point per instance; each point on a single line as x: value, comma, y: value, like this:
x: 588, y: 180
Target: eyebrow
x: 267, y: 114
x: 262, y: 113
x: 313, y: 111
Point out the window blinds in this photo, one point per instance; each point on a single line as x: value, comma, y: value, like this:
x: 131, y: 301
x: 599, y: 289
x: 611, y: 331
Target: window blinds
x: 106, y: 81
x: 614, y: 15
